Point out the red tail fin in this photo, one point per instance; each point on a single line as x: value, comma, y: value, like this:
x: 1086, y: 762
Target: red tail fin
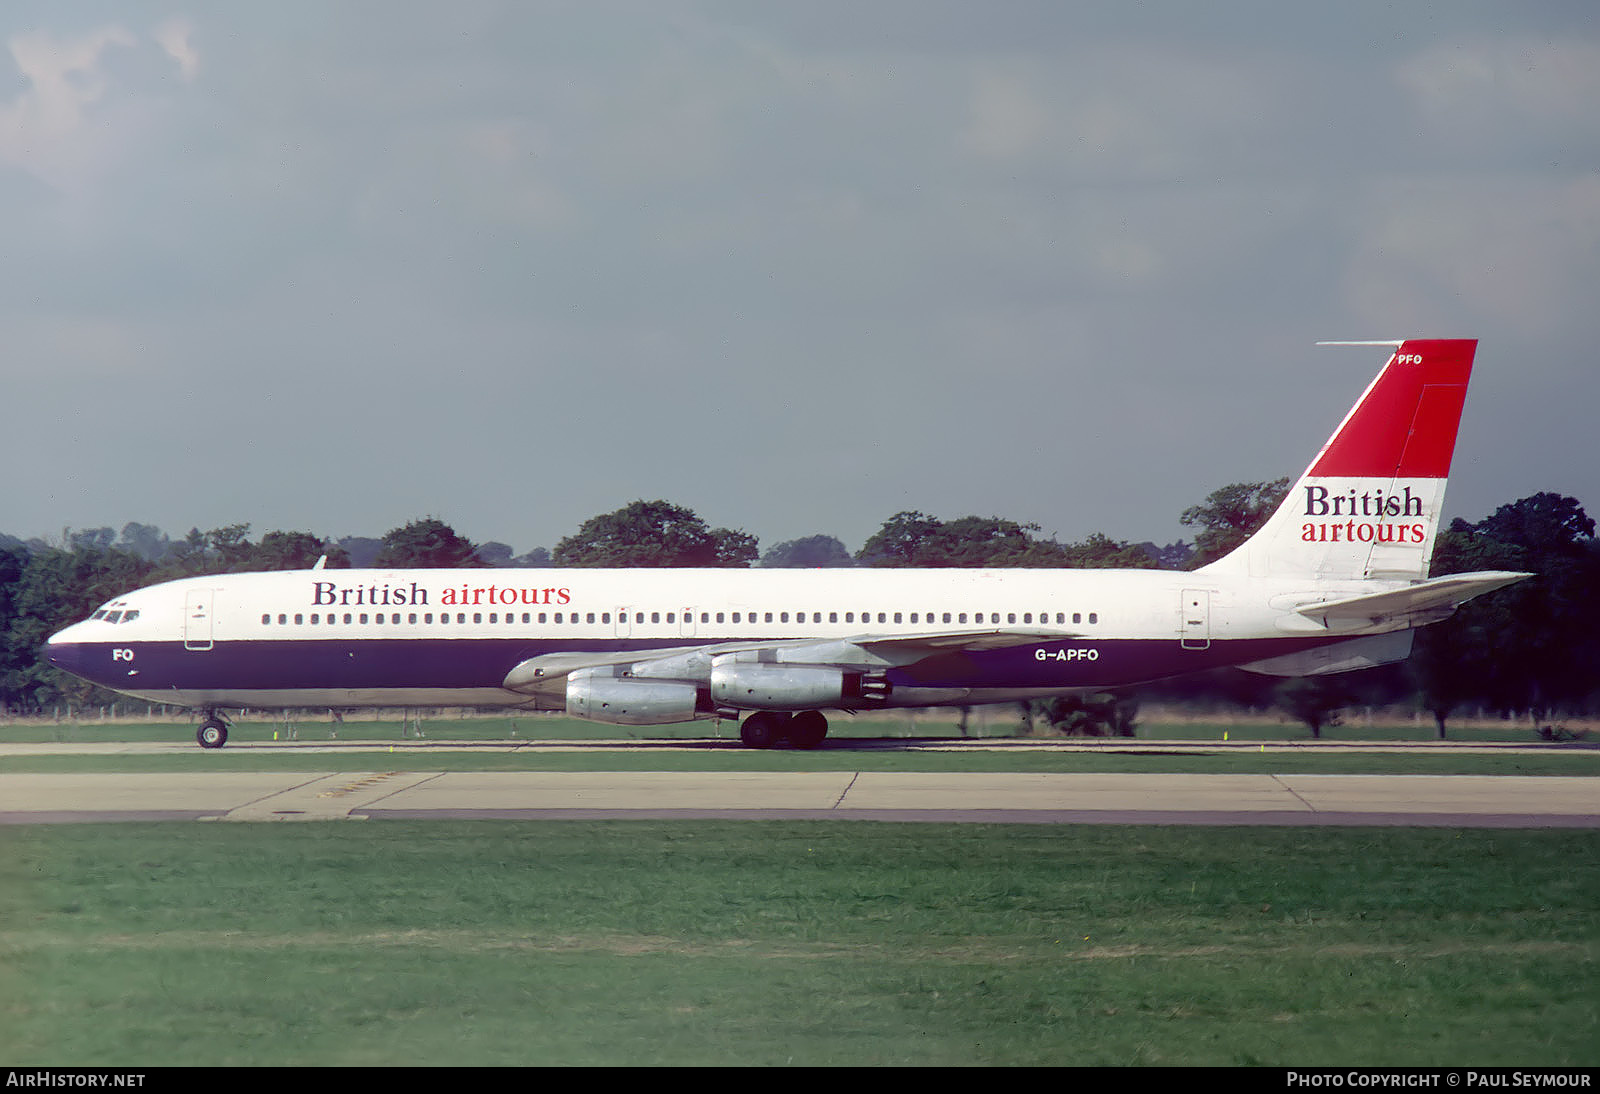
x: 1369, y: 504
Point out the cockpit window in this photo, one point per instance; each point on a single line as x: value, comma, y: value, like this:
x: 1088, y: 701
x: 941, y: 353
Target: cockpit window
x: 129, y: 617
x: 101, y: 614
x: 112, y: 617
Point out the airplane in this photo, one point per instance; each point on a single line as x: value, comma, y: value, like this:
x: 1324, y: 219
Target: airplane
x: 1335, y: 580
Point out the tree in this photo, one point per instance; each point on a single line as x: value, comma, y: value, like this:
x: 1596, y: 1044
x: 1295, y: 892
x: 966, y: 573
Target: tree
x: 917, y: 539
x: 1529, y: 648
x: 902, y: 541
x: 809, y: 552
x: 53, y: 587
x: 1314, y: 700
x: 495, y: 554
x: 426, y: 544
x: 1230, y: 515
x: 1100, y: 714
x: 654, y: 534
x: 361, y: 550
x: 297, y: 551
x: 145, y: 540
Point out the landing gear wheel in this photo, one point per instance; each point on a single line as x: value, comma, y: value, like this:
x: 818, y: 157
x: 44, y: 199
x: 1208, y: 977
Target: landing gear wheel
x: 212, y: 733
x: 807, y: 729
x: 762, y: 729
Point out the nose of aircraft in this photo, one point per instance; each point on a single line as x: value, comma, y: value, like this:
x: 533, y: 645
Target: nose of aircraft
x: 64, y: 652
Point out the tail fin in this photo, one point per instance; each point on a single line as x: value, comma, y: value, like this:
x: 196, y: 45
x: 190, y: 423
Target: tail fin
x: 1369, y: 504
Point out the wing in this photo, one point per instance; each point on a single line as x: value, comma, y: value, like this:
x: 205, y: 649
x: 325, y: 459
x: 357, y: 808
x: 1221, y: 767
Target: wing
x: 546, y: 675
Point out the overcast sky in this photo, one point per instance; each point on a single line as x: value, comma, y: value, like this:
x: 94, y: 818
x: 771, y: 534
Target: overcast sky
x: 331, y: 266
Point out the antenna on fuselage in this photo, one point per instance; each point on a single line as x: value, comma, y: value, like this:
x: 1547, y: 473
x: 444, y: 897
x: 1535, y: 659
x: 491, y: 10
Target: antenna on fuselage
x: 321, y: 562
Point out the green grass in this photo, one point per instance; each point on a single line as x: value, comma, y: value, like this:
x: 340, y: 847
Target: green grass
x: 774, y: 943
x: 1154, y: 762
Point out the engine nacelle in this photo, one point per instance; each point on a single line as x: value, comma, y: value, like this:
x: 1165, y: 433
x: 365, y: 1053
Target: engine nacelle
x: 778, y: 686
x: 625, y: 701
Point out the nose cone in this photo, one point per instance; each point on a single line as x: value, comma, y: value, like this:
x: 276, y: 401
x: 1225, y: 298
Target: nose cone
x: 66, y: 651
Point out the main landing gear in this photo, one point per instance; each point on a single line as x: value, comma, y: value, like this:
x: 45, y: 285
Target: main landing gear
x: 213, y: 732
x: 765, y: 728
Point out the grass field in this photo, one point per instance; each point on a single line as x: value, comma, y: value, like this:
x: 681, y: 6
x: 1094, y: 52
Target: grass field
x: 645, y: 942
x: 780, y: 943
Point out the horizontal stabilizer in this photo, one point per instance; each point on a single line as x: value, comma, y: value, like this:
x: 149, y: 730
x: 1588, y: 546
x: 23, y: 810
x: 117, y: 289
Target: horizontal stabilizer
x: 1437, y: 597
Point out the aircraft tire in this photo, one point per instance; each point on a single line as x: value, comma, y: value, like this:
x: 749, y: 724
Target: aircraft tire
x: 808, y: 729
x: 760, y: 730
x: 211, y: 734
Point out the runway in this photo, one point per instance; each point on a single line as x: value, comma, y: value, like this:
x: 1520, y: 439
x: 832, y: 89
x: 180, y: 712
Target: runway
x: 1497, y: 801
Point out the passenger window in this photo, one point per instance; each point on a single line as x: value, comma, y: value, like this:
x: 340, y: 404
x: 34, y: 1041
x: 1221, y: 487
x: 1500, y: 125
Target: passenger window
x: 833, y: 617
x: 298, y: 619
x: 1094, y: 617
x: 719, y: 617
x: 266, y: 620
x: 947, y: 617
x: 1077, y: 617
x: 963, y: 617
x: 591, y: 617
x: 897, y: 617
x: 849, y: 617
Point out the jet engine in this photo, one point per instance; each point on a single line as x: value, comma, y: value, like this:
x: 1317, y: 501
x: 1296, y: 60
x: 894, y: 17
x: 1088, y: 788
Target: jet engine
x: 599, y: 696
x: 776, y: 686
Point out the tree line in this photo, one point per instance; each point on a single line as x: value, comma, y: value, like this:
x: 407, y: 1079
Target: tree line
x: 1527, y: 650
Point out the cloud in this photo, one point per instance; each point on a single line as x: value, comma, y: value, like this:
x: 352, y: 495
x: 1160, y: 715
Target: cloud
x: 75, y: 121
x: 47, y: 129
x: 173, y: 36
x: 1547, y: 89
